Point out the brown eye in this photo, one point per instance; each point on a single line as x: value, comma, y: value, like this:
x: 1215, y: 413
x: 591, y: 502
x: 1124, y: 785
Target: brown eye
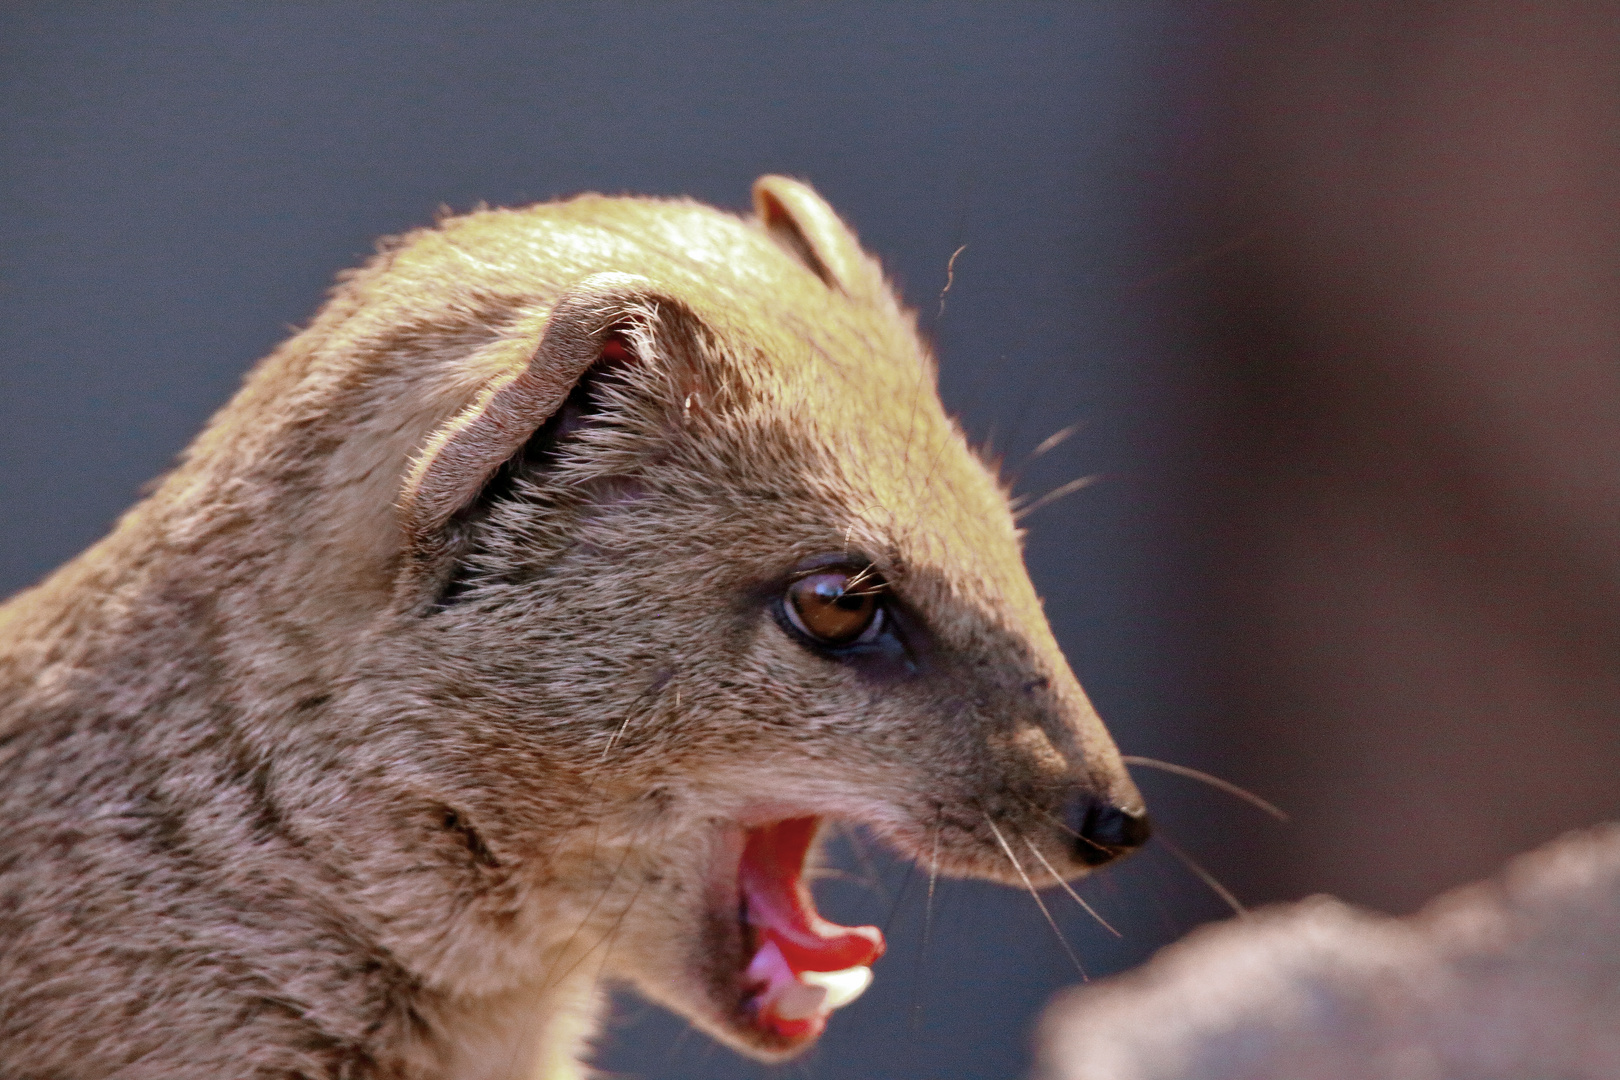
x: 837, y: 607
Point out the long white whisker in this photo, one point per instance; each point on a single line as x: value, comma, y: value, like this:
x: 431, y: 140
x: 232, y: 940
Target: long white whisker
x: 1030, y: 885
x: 928, y: 926
x: 1055, y: 494
x: 1203, y: 875
x: 933, y: 879
x: 1052, y: 441
x: 1213, y: 781
x: 1089, y: 910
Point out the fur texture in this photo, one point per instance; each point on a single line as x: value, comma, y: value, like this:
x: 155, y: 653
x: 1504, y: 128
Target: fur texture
x: 371, y: 742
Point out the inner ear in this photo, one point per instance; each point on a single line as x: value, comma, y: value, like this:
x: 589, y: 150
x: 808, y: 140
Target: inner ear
x: 539, y: 453
x: 802, y: 222
x: 779, y: 222
x: 583, y: 402
x: 521, y: 418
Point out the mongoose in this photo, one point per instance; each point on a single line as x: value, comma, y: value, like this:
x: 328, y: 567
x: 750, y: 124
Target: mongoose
x: 513, y: 632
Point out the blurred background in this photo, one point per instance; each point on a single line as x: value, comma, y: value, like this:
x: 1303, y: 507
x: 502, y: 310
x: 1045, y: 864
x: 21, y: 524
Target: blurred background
x: 1329, y: 291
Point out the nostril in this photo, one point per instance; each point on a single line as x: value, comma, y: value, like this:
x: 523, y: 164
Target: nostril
x: 1104, y: 831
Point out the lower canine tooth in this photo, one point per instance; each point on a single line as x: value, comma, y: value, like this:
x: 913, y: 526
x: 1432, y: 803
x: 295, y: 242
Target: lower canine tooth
x: 842, y: 987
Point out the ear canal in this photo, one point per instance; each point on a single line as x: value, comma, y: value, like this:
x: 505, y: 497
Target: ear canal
x: 803, y: 223
x: 460, y: 458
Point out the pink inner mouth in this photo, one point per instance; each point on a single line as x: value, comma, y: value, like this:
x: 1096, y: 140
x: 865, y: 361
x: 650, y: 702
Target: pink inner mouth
x: 790, y: 936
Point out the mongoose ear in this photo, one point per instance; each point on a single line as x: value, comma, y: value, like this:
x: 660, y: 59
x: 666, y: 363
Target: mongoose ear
x: 803, y: 223
x: 460, y: 458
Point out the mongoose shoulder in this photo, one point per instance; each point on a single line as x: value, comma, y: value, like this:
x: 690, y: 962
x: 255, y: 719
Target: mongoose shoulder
x: 514, y: 630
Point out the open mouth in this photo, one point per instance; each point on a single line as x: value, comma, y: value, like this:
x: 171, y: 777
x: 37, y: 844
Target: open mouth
x: 800, y: 967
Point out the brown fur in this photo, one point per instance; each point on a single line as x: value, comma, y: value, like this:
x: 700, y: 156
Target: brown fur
x: 272, y: 807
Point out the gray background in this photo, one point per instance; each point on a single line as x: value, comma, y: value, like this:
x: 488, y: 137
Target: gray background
x: 181, y: 182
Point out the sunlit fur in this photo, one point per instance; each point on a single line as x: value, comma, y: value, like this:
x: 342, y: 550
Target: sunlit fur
x: 271, y: 807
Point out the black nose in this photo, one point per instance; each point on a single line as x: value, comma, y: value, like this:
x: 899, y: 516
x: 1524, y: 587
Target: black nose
x: 1102, y: 831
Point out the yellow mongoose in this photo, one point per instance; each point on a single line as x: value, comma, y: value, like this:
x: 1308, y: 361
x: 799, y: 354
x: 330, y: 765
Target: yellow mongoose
x: 512, y: 630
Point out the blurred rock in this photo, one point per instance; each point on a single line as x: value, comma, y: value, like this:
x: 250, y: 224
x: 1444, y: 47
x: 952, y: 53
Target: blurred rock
x: 1514, y: 978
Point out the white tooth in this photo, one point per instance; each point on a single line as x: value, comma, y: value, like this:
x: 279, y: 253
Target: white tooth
x: 796, y: 1001
x: 842, y: 987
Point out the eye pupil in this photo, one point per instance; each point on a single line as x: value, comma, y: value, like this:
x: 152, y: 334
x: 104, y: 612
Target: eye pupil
x: 835, y: 607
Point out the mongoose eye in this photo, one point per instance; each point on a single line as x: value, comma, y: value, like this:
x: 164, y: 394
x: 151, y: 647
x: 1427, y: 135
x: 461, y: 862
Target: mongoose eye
x: 836, y: 607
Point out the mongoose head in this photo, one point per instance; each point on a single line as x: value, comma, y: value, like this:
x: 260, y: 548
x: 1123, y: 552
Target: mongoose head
x: 630, y: 543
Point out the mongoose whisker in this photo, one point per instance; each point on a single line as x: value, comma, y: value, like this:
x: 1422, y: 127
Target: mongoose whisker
x: 1204, y: 875
x: 1059, y: 492
x: 915, y: 1011
x: 1044, y: 447
x: 1036, y: 896
x: 1076, y: 897
x: 1213, y: 781
x: 1054, y: 440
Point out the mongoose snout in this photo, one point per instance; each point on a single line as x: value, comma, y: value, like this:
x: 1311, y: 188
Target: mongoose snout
x: 1103, y: 831
x: 514, y: 632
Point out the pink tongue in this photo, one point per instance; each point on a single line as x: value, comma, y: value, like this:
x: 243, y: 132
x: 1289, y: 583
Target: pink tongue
x: 780, y: 905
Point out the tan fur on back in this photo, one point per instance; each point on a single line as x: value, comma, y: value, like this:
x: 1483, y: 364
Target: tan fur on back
x: 274, y: 807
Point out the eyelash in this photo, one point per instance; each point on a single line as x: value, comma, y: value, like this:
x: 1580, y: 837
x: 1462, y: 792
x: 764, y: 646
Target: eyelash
x: 878, y: 642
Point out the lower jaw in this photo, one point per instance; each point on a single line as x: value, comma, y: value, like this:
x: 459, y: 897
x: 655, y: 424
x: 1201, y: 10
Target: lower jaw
x: 725, y: 991
x: 734, y: 1013
x: 786, y: 994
